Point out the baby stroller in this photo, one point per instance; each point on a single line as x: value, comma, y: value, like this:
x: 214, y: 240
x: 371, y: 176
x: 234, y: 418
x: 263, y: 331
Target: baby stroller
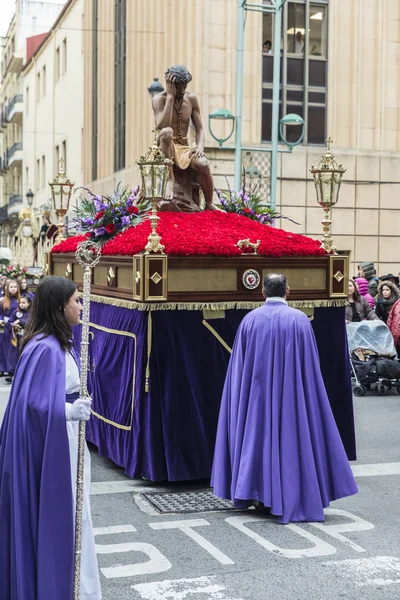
x: 373, y: 357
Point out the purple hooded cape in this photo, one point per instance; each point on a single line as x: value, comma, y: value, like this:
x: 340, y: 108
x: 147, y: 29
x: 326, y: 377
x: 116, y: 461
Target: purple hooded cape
x: 36, y: 510
x: 277, y: 441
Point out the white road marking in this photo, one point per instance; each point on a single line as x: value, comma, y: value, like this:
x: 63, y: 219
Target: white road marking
x: 186, y: 527
x: 375, y: 470
x: 319, y: 547
x: 137, y: 486
x: 379, y: 570
x: 180, y: 589
x: 336, y: 530
x: 157, y: 562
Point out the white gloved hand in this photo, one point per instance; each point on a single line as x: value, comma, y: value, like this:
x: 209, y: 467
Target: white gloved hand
x: 79, y: 410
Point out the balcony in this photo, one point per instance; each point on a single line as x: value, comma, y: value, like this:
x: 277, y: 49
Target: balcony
x: 4, y: 163
x: 3, y: 214
x: 14, y: 204
x: 15, y: 109
x: 14, y: 65
x: 3, y: 117
x: 15, y: 154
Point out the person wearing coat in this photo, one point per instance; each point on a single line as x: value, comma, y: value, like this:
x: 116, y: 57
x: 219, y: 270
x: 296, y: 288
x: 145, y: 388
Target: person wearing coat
x: 357, y: 308
x: 363, y: 286
x: 367, y: 270
x: 393, y: 323
x: 388, y: 294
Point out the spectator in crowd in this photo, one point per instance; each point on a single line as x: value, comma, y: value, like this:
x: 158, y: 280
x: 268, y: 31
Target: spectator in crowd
x: 393, y: 323
x: 357, y: 308
x: 367, y: 270
x: 387, y: 295
x: 362, y: 285
x: 8, y: 304
x: 267, y: 45
x: 390, y: 277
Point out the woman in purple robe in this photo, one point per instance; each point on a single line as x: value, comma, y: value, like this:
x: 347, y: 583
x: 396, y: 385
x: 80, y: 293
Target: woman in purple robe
x: 25, y: 291
x: 277, y: 443
x: 38, y: 458
x: 17, y: 322
x: 8, y: 304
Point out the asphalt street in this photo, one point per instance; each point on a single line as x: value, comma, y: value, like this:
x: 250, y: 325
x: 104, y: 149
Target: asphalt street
x: 240, y: 555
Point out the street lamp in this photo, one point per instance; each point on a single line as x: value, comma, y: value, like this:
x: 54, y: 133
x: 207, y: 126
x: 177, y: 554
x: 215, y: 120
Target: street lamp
x: 221, y: 114
x: 155, y: 87
x: 291, y: 120
x: 61, y: 189
x: 154, y: 169
x: 29, y: 197
x: 327, y: 179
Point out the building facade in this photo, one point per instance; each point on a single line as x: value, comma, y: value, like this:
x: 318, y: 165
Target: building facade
x: 53, y: 106
x: 31, y: 21
x: 339, y: 71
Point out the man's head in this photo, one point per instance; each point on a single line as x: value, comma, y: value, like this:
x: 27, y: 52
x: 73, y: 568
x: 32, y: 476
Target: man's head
x: 267, y: 46
x: 179, y: 75
x: 275, y: 285
x: 299, y: 36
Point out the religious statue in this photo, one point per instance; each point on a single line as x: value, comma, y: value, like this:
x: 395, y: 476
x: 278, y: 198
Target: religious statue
x: 26, y: 237
x: 174, y: 111
x: 48, y: 230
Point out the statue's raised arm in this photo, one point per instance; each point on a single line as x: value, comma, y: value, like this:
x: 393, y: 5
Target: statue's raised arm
x: 174, y: 109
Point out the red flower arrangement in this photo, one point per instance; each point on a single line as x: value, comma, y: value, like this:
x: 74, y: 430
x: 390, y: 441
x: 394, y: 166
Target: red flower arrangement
x: 207, y: 233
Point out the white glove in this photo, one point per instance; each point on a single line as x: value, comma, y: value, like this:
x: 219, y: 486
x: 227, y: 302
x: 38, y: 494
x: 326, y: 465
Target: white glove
x: 79, y: 410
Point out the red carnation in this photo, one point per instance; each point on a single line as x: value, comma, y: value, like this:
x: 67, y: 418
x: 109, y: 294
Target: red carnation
x: 247, y: 211
x: 99, y: 215
x: 110, y: 228
x: 133, y: 210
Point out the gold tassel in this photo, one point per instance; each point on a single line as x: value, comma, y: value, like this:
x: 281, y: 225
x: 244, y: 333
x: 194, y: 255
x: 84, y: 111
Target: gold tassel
x: 335, y: 302
x: 149, y: 339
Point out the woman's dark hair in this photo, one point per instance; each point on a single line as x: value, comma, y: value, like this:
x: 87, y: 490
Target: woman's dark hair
x: 356, y: 294
x: 47, y: 312
x: 20, y: 280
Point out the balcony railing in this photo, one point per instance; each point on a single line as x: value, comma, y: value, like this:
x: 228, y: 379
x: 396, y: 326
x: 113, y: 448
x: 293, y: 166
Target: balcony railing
x: 18, y: 99
x: 12, y: 151
x: 3, y: 214
x: 4, y: 162
x: 15, y: 199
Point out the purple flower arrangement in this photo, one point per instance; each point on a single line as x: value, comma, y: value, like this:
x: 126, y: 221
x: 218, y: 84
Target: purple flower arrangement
x: 248, y: 203
x: 105, y: 216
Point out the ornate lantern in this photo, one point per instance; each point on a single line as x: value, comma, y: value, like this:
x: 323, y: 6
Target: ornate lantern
x: 61, y: 189
x: 327, y: 179
x: 154, y: 169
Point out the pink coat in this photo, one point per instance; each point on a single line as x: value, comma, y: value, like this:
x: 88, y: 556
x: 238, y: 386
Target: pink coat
x: 362, y: 285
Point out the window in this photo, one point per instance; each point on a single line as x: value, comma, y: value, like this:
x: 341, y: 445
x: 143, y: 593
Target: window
x: 27, y: 182
x: 57, y: 65
x: 64, y: 56
x: 37, y: 174
x: 120, y: 84
x: 57, y: 159
x: 43, y: 172
x: 64, y: 154
x: 317, y: 30
x: 27, y: 101
x: 38, y: 87
x: 44, y: 81
x: 95, y: 23
x: 303, y: 73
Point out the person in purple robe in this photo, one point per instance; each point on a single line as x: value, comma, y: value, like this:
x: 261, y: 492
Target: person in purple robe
x: 38, y: 458
x: 8, y: 304
x: 17, y: 322
x: 278, y: 447
x: 25, y: 291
